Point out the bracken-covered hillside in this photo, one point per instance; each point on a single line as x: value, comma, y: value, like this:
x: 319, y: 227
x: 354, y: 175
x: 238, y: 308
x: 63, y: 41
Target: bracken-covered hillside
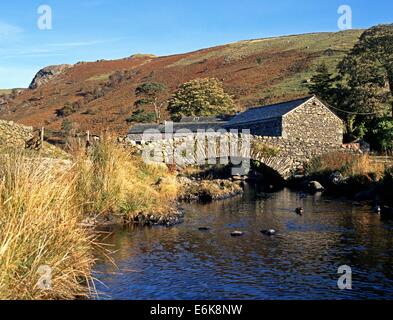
x: 100, y: 95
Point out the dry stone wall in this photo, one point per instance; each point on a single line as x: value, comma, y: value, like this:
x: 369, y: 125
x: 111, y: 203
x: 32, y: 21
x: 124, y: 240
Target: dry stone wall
x: 14, y: 135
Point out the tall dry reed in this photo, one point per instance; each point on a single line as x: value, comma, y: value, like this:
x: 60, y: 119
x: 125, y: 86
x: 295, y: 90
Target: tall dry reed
x: 40, y: 233
x: 43, y: 203
x: 111, y: 179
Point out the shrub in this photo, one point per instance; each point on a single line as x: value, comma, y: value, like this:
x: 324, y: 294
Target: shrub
x: 141, y: 116
x: 68, y: 109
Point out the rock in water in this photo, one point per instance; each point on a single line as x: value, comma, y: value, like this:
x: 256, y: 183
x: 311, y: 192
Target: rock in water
x: 315, y: 186
x: 336, y: 178
x: 270, y: 232
x: 299, y: 211
x: 237, y: 234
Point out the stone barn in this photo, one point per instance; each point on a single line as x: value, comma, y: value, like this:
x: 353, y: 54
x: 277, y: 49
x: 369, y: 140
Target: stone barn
x: 300, y: 130
x: 307, y: 119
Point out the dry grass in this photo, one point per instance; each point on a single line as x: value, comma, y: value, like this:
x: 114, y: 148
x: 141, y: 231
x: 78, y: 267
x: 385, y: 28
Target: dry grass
x: 43, y: 204
x: 349, y: 165
x: 111, y: 179
x: 39, y: 226
x: 262, y: 149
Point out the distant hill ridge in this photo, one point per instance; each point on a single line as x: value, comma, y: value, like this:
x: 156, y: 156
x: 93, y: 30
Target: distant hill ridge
x: 101, y: 93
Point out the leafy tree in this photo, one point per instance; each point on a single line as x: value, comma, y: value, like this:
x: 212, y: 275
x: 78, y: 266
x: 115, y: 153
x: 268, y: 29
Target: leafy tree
x: 368, y: 72
x: 322, y: 84
x: 383, y: 133
x: 201, y: 97
x: 141, y: 116
x: 151, y: 93
x: 363, y: 88
x: 330, y: 89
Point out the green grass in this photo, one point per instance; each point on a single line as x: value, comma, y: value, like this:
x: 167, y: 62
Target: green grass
x: 5, y: 91
x: 311, y: 43
x: 100, y: 77
x: 144, y: 55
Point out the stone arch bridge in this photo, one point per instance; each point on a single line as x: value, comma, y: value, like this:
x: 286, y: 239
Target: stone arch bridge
x: 285, y: 156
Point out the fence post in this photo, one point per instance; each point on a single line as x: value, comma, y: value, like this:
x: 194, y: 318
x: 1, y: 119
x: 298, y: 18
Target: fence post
x: 42, y: 137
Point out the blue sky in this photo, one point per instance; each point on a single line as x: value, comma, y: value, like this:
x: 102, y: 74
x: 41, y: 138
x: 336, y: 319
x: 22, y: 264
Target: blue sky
x: 88, y: 30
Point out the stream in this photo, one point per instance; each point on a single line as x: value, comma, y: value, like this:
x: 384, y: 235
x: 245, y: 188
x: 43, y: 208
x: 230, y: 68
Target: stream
x: 300, y: 262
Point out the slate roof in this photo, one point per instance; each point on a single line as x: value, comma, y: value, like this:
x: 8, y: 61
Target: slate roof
x: 192, y: 126
x: 267, y: 112
x: 206, y: 119
x: 140, y: 128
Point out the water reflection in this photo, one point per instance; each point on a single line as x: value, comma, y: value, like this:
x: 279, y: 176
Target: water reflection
x: 301, y: 262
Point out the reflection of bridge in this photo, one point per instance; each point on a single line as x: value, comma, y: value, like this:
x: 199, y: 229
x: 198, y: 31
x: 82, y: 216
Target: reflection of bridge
x: 282, y: 155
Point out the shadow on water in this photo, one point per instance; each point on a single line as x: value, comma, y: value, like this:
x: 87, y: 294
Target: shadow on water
x: 300, y: 262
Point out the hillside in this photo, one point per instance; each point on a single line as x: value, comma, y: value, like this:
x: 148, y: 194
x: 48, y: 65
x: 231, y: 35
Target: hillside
x: 102, y: 93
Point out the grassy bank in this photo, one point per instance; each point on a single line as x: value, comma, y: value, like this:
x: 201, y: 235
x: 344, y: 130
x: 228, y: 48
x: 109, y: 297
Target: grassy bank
x: 352, y: 175
x: 349, y: 165
x: 112, y: 180
x: 43, y: 205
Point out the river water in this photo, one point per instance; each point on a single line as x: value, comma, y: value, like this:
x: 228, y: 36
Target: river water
x: 300, y: 262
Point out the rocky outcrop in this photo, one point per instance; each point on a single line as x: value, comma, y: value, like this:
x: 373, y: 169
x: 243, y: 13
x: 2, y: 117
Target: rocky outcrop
x: 46, y: 74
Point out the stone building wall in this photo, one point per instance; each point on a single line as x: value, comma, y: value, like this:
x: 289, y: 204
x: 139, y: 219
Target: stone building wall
x: 313, y: 122
x: 297, y: 152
